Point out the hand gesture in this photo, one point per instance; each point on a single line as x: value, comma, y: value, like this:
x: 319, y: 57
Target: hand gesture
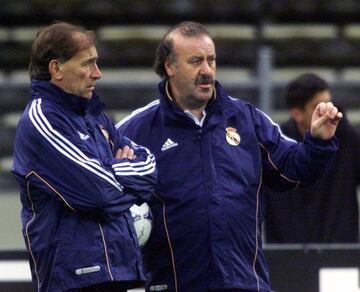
x: 324, y: 120
x: 125, y: 152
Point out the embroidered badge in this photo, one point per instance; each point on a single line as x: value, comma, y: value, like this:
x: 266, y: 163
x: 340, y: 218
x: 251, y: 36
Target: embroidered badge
x: 232, y: 137
x: 104, y: 132
x: 107, y: 136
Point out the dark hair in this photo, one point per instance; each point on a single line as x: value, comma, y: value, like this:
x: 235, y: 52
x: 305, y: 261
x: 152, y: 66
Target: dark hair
x: 165, y: 49
x: 303, y: 89
x: 57, y: 41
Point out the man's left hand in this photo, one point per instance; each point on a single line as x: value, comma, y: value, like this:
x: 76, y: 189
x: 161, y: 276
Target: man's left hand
x: 125, y: 152
x: 324, y: 120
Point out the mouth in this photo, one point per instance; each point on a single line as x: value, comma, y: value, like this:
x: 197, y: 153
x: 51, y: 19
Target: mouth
x: 205, y: 81
x: 205, y: 85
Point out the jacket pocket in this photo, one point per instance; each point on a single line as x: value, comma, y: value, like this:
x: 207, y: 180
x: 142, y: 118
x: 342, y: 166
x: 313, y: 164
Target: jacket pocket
x: 80, y: 266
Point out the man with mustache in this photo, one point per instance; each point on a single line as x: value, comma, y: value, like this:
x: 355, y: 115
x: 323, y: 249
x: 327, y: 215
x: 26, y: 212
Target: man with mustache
x: 78, y: 177
x: 214, y: 153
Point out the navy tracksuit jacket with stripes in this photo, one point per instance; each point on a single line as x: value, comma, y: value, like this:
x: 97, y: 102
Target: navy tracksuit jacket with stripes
x: 75, y: 195
x: 209, y: 204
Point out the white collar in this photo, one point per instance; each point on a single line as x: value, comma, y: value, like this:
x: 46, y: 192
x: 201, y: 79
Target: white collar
x: 187, y: 112
x: 196, y: 120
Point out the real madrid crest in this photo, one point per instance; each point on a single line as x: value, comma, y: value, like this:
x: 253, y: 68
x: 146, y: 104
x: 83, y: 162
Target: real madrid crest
x: 104, y: 132
x: 232, y: 137
x: 107, y: 136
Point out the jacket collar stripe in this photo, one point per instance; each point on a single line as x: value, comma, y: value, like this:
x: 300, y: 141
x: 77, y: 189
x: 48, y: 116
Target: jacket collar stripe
x: 65, y: 147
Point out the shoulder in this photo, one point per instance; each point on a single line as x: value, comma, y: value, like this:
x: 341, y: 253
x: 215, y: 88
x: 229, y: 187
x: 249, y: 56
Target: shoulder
x: 262, y: 123
x: 37, y: 112
x: 140, y: 116
x: 230, y: 101
x: 40, y: 121
x: 49, y: 120
x: 43, y: 107
x: 245, y: 108
x: 239, y: 103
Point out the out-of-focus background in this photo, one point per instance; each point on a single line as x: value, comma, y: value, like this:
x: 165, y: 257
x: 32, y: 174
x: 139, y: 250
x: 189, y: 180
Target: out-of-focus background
x: 261, y: 45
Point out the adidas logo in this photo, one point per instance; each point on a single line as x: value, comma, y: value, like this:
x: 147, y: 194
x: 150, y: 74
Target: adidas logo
x: 83, y: 136
x: 168, y: 144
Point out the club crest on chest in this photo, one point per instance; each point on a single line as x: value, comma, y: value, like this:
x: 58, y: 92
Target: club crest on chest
x: 232, y: 137
x: 105, y: 133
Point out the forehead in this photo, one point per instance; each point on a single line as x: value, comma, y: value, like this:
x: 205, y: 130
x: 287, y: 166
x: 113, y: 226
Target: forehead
x: 201, y: 44
x: 322, y: 96
x: 319, y: 97
x: 85, y: 54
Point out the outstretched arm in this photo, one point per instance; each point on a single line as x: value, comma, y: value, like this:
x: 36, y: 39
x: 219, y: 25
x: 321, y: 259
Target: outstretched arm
x: 325, y: 120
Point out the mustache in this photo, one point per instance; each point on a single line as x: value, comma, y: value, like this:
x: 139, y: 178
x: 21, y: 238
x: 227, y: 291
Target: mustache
x: 204, y: 79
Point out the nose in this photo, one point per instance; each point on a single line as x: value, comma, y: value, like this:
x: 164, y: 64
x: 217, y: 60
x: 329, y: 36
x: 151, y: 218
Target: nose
x: 206, y: 68
x: 96, y: 73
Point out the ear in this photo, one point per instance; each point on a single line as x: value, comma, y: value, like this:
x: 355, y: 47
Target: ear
x: 55, y: 70
x: 297, y: 115
x: 170, y: 68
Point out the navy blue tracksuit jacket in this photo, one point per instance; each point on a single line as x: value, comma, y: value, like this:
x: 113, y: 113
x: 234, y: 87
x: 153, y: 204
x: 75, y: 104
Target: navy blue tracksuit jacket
x: 75, y: 195
x: 209, y: 204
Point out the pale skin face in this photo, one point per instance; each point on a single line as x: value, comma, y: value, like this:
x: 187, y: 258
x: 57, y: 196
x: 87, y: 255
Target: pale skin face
x: 303, y: 116
x: 77, y: 75
x: 192, y: 74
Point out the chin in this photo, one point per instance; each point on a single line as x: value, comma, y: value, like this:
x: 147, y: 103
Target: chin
x: 88, y: 95
x: 206, y: 93
x: 206, y: 96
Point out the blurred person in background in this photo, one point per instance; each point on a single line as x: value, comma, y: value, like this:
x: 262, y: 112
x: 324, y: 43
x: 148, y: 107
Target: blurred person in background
x: 326, y: 212
x: 78, y: 177
x: 214, y: 154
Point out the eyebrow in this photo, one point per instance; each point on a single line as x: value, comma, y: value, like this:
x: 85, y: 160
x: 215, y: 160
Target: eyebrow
x: 90, y: 60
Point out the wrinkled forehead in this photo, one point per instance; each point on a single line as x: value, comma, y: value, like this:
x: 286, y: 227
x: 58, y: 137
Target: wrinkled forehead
x: 195, y: 44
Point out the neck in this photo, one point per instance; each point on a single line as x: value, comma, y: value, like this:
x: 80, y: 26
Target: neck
x: 198, y: 113
x: 195, y: 108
